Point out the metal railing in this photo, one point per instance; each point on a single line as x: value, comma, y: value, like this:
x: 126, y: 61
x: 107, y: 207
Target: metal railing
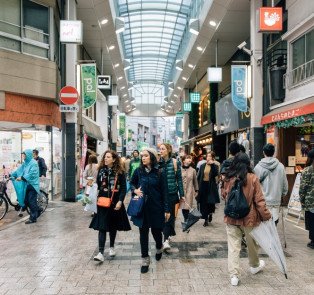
x: 299, y: 74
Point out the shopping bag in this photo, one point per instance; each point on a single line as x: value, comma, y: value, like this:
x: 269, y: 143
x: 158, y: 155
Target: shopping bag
x: 136, y: 205
x: 93, y: 197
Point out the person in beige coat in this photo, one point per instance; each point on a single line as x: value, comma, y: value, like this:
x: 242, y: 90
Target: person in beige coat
x: 190, y: 185
x: 240, y: 169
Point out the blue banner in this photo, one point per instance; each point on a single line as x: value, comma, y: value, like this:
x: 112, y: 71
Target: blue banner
x: 179, y: 126
x: 239, y: 87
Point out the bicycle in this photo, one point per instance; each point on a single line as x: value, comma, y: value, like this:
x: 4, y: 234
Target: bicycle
x: 42, y: 198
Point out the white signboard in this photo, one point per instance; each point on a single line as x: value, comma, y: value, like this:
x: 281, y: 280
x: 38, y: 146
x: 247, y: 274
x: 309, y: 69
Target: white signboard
x: 294, y: 202
x: 66, y: 108
x: 104, y: 82
x: 71, y: 31
x: 113, y: 100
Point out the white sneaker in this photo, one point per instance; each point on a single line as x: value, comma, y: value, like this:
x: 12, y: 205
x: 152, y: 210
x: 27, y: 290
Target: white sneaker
x: 234, y: 281
x: 255, y: 270
x: 112, y: 252
x: 166, y: 245
x: 99, y: 257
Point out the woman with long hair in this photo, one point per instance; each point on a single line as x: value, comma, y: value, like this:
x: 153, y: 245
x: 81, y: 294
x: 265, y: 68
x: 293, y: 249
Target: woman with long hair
x: 149, y: 181
x: 172, y: 169
x: 307, y: 196
x: 111, y: 182
x: 91, y: 170
x: 241, y: 170
x: 190, y: 185
x: 208, y: 191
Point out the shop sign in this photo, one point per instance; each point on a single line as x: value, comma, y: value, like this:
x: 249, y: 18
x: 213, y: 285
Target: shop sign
x: 130, y: 134
x: 296, y: 112
x: 270, y: 134
x: 195, y: 97
x: 104, y: 82
x: 113, y: 100
x: 239, y: 87
x: 71, y: 31
x: 142, y: 145
x: 179, y: 125
x: 186, y: 107
x: 69, y: 95
x: 294, y: 202
x: 89, y: 87
x: 121, y: 124
x: 270, y: 19
x: 67, y: 108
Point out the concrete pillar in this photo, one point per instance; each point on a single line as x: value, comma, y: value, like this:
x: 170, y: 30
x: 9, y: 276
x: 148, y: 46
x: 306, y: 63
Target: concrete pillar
x: 257, y: 132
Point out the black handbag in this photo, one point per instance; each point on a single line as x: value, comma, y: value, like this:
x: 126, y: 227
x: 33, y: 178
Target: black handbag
x: 237, y: 206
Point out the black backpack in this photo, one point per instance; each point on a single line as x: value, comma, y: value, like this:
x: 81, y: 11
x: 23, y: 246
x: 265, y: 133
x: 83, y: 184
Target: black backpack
x: 237, y: 206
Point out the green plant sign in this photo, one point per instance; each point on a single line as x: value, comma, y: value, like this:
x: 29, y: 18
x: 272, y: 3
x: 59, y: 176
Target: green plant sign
x: 89, y: 85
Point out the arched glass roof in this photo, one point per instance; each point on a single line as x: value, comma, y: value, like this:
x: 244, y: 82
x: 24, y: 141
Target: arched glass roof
x: 152, y: 37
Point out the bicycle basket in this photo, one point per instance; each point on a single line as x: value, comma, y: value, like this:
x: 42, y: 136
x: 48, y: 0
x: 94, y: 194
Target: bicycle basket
x: 44, y: 184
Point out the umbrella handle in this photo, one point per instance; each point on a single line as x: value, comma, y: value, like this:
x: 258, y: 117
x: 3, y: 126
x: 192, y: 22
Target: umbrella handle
x: 188, y: 205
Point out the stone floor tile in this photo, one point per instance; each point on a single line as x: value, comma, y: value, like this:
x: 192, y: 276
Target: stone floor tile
x: 128, y: 289
x: 72, y: 290
x: 46, y: 291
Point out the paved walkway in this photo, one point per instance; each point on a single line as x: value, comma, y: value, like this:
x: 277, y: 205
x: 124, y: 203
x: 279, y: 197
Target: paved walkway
x: 54, y: 256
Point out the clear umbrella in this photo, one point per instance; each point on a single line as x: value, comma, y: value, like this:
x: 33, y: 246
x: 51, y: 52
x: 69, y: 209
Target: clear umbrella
x: 193, y: 217
x: 266, y: 236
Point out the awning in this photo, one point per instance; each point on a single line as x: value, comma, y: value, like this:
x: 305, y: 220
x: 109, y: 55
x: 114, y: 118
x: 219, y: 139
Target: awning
x: 186, y: 142
x: 91, y: 129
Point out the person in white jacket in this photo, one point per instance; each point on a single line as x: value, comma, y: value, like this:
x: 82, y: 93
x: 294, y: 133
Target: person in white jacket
x: 273, y: 179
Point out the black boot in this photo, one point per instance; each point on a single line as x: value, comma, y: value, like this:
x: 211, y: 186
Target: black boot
x: 205, y: 223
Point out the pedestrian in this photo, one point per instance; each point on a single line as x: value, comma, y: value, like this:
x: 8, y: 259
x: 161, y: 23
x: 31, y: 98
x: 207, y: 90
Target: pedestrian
x: 190, y: 185
x: 240, y: 169
x: 306, y: 194
x: 90, y: 171
x: 233, y: 148
x: 208, y: 191
x: 134, y: 163
x: 149, y: 181
x: 272, y: 176
x: 111, y: 181
x: 41, y: 164
x: 201, y: 162
x: 172, y: 169
x: 28, y: 173
x: 127, y: 164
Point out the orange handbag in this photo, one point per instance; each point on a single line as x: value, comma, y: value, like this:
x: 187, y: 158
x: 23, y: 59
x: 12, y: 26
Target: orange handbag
x: 176, y: 209
x: 104, y: 201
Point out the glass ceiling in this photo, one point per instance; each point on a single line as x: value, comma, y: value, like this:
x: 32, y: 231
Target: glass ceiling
x: 151, y: 39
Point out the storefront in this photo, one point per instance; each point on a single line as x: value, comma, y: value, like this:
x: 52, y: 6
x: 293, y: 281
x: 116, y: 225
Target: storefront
x: 291, y: 130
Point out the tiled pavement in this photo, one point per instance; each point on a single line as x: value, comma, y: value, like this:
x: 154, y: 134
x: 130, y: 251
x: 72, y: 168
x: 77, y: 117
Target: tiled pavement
x: 54, y: 256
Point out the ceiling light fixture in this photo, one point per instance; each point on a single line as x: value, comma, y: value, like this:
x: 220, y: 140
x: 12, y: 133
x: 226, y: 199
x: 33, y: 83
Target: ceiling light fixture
x: 172, y: 101
x: 126, y: 64
x: 191, y: 66
x: 124, y: 95
x: 116, y: 65
x: 104, y: 21
x: 179, y: 64
x: 213, y: 23
x: 120, y: 78
x: 111, y: 47
x: 122, y: 87
x: 130, y: 85
x: 183, y: 78
x: 179, y: 88
x: 171, y: 85
x: 199, y: 48
x: 175, y: 95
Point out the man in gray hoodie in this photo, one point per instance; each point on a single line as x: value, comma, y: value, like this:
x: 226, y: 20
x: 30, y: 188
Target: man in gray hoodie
x: 272, y: 175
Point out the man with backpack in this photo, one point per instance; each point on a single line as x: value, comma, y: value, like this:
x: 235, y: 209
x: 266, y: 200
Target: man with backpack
x: 273, y: 179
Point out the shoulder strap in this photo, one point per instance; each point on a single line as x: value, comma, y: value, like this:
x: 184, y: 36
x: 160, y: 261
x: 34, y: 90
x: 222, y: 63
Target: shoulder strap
x: 114, y: 187
x: 175, y: 165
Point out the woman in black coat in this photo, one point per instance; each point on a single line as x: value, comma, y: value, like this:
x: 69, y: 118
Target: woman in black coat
x: 208, y: 192
x: 111, y: 182
x: 149, y: 181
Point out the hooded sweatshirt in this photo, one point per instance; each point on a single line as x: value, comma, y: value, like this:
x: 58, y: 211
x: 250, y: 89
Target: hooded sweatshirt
x: 29, y: 172
x: 273, y: 179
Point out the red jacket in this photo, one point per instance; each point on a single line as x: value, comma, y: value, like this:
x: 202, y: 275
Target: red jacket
x: 255, y: 198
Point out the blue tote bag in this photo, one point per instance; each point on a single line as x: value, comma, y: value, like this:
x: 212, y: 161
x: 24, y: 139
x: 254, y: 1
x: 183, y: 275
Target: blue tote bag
x: 136, y: 203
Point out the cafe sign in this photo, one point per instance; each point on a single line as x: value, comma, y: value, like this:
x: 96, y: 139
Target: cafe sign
x: 270, y: 19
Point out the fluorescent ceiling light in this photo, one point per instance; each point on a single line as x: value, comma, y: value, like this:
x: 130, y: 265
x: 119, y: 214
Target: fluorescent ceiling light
x: 194, y: 25
x: 172, y: 101
x: 171, y: 85
x: 111, y: 47
x: 184, y: 78
x: 199, y: 48
x: 175, y: 95
x: 120, y: 78
x: 179, y: 87
x: 191, y: 66
x: 122, y: 87
x: 213, y: 23
x: 119, y: 25
x: 124, y: 95
x: 104, y: 21
x: 116, y: 65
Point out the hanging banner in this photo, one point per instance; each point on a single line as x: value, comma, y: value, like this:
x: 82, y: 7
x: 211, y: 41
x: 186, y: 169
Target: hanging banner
x: 121, y: 125
x: 270, y: 133
x: 83, y: 158
x: 89, y: 85
x: 179, y: 125
x: 130, y: 134
x: 239, y: 87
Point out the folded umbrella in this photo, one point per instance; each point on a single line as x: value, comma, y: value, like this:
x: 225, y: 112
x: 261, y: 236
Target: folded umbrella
x: 266, y: 236
x: 193, y: 217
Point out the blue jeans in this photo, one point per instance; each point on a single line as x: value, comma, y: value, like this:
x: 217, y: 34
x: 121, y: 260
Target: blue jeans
x: 31, y: 202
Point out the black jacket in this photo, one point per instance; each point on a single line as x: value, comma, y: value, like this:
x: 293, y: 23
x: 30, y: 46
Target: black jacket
x: 42, y: 166
x: 155, y: 190
x: 211, y: 189
x: 225, y: 165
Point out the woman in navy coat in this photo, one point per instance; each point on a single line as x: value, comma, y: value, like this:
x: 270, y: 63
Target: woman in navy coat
x: 149, y: 181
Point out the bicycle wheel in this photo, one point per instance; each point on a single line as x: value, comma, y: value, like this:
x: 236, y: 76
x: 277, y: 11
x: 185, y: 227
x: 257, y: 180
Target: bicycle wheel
x: 4, y: 206
x: 42, y: 201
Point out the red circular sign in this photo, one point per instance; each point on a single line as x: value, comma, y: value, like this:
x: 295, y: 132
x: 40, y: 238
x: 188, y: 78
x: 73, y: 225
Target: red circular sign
x: 68, y: 95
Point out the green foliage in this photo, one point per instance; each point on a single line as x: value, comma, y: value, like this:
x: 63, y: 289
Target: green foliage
x: 213, y: 98
x: 292, y: 122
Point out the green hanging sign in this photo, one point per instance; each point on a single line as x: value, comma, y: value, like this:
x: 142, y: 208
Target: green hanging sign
x: 142, y: 145
x: 186, y: 107
x: 121, y: 125
x: 89, y: 85
x: 129, y: 134
x: 195, y: 97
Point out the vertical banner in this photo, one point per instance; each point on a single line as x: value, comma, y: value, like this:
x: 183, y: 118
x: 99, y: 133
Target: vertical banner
x: 121, y: 125
x: 179, y: 125
x: 239, y: 87
x: 89, y: 85
x: 83, y: 158
x: 129, y: 134
x: 270, y: 134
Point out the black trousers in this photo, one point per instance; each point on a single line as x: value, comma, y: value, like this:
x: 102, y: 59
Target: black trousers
x: 144, y: 238
x: 309, y: 224
x: 170, y: 224
x: 102, y: 239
